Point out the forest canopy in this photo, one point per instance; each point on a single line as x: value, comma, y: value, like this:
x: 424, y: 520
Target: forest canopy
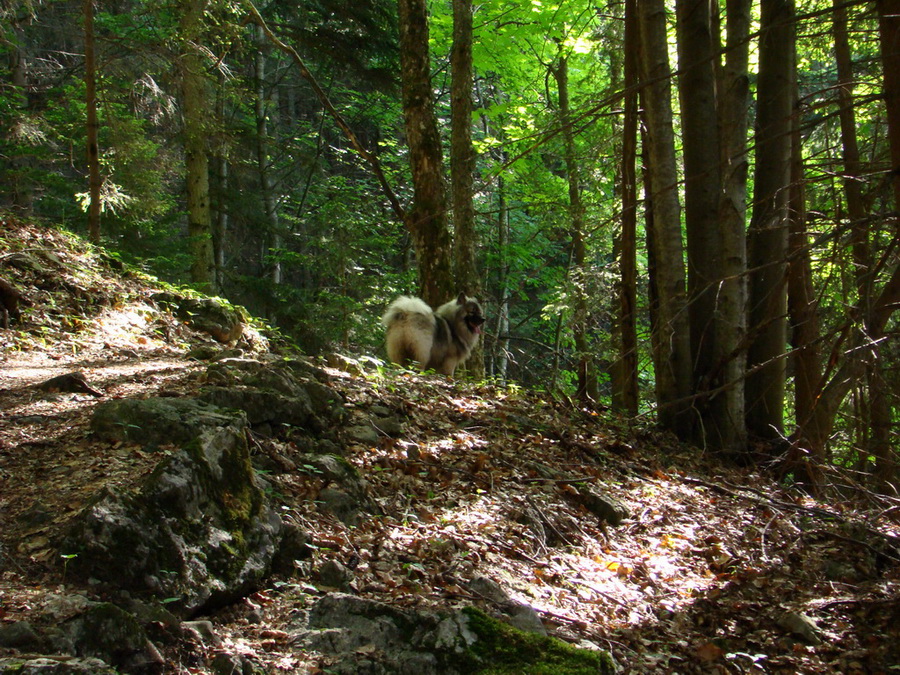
x: 684, y: 210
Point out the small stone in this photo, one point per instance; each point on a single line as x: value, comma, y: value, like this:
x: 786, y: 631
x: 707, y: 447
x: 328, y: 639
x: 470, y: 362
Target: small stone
x: 801, y: 626
x: 334, y: 575
x: 363, y: 433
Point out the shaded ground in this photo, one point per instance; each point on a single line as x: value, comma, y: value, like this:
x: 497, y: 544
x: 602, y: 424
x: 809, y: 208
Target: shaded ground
x: 480, y: 481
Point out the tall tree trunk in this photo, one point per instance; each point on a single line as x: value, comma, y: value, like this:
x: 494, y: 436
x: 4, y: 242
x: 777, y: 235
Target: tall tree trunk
x: 803, y: 459
x: 697, y: 48
x: 220, y: 205
x: 427, y: 219
x: 22, y: 188
x: 672, y: 359
x: 625, y: 370
x: 768, y: 234
x: 587, y: 380
x: 729, y: 351
x: 273, y: 238
x: 195, y: 102
x: 93, y: 126
x: 502, y: 348
x: 462, y: 166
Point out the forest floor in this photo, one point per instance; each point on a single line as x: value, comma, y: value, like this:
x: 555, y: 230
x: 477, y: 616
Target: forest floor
x: 713, y: 570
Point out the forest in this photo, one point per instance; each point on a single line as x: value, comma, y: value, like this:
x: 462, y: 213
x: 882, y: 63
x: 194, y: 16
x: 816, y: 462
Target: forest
x: 685, y: 211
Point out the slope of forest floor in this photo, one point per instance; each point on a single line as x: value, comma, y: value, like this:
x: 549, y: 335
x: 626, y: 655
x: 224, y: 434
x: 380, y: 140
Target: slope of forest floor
x: 715, y: 569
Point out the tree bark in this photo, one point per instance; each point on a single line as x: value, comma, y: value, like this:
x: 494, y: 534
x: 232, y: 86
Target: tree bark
x: 672, y: 359
x: 587, y: 380
x: 768, y: 233
x: 625, y: 370
x: 502, y: 348
x: 22, y: 187
x: 427, y: 219
x: 93, y: 126
x: 195, y: 102
x: 697, y: 47
x: 272, y: 263
x: 462, y: 167
x: 729, y: 350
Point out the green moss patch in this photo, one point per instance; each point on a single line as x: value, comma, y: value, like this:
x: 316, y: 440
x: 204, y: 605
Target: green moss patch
x: 500, y: 648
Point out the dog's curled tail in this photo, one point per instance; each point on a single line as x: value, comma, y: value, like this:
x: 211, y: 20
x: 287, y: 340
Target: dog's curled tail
x: 406, y: 308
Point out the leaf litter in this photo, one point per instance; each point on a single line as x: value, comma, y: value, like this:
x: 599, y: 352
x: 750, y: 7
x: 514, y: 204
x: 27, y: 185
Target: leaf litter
x: 715, y: 568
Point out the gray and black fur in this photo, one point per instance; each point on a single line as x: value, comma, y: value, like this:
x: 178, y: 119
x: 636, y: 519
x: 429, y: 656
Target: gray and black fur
x: 436, y: 340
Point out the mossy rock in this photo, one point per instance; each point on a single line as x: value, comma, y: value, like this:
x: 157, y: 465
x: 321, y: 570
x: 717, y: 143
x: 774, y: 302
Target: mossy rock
x: 46, y: 665
x: 221, y: 320
x: 160, y: 420
x: 500, y: 649
x: 198, y: 532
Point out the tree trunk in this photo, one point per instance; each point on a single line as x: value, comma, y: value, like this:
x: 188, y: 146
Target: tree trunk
x: 502, y: 348
x: 697, y: 47
x: 195, y: 102
x: 672, y: 359
x: 729, y: 350
x: 803, y: 459
x: 273, y: 238
x: 625, y: 370
x: 587, y: 381
x: 768, y: 233
x: 462, y: 167
x: 427, y: 219
x: 93, y: 126
x: 219, y: 202
x: 21, y: 188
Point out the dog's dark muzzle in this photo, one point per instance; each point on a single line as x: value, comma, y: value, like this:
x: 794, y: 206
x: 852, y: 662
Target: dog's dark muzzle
x: 474, y: 322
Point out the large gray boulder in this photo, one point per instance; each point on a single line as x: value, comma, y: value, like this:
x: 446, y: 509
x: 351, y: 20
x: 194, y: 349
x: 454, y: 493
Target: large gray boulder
x: 160, y: 420
x: 198, y: 532
x: 361, y: 636
x: 285, y: 391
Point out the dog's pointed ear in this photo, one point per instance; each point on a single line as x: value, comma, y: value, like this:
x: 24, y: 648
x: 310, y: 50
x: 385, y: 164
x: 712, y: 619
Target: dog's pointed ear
x: 461, y: 300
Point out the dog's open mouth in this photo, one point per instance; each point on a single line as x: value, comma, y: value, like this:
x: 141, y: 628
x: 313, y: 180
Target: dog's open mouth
x: 474, y: 323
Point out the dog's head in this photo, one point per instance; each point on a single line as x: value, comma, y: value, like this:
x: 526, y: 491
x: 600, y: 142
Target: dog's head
x: 471, y: 313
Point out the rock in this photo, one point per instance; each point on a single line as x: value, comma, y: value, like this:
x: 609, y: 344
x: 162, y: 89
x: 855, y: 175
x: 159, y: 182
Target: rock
x: 345, y: 507
x: 347, y: 495
x: 603, y: 506
x: 281, y: 392
x: 369, y: 636
x: 362, y: 433
x: 20, y: 635
x: 345, y: 363
x: 232, y: 664
x: 210, y: 315
x: 801, y: 626
x: 110, y: 633
x: 202, y: 631
x: 366, y: 636
x: 207, y: 352
x: 159, y: 421
x: 198, y: 530
x: 389, y: 426
x: 294, y: 546
x: 59, y: 665
x: 261, y: 405
x: 519, y: 614
x: 333, y: 574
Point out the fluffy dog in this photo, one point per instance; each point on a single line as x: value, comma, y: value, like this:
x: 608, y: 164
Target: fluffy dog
x: 436, y: 340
